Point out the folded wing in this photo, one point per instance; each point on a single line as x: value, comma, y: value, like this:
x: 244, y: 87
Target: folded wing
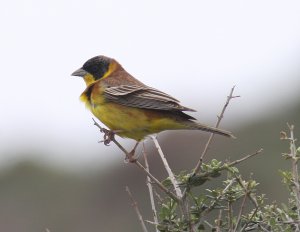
x: 143, y: 97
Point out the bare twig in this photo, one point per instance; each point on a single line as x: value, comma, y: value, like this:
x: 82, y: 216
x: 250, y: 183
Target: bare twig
x: 220, y: 117
x: 167, y: 167
x: 245, y: 158
x: 240, y: 182
x: 183, y: 204
x: 230, y: 217
x: 209, y: 225
x: 250, y: 219
x: 296, y: 187
x: 138, y: 164
x: 263, y: 229
x: 159, y: 184
x: 241, y: 209
x: 290, y: 222
x: 252, y: 199
x: 149, y: 185
x: 135, y: 206
x: 159, y: 198
x: 218, y: 228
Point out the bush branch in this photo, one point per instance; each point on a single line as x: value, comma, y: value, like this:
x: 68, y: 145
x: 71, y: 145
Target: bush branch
x: 136, y: 208
x: 167, y: 167
x: 150, y: 188
x: 245, y: 158
x: 296, y: 186
x: 220, y: 117
x: 183, y: 204
x: 241, y: 209
x: 138, y: 164
x: 213, y: 204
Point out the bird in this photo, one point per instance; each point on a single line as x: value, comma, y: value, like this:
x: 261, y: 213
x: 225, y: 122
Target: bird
x: 130, y: 108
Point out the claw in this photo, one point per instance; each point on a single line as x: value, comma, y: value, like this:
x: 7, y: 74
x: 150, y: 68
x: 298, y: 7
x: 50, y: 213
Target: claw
x: 108, y: 136
x: 131, y: 158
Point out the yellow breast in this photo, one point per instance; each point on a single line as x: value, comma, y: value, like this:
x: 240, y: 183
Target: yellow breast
x: 130, y: 122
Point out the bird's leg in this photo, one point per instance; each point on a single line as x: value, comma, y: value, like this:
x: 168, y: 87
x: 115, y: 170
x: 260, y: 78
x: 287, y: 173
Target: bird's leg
x: 131, y: 158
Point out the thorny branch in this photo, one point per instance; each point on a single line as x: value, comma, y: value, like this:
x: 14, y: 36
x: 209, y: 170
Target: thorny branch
x: 183, y: 205
x: 241, y: 209
x: 167, y: 167
x: 212, y: 205
x: 150, y: 188
x: 136, y: 208
x: 295, y: 175
x: 218, y: 228
x: 138, y: 164
x: 200, y: 161
x: 220, y: 117
x: 233, y: 163
x: 293, y: 154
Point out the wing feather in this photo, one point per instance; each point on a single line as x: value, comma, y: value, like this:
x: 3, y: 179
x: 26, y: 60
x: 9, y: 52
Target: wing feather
x: 143, y: 97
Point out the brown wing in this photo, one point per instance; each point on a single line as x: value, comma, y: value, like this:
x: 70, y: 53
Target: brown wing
x: 143, y: 97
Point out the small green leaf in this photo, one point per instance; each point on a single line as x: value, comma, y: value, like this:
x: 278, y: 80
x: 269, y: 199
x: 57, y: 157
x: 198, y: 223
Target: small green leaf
x: 167, y: 182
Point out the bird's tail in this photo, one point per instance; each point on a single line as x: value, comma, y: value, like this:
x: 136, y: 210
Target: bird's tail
x: 199, y: 126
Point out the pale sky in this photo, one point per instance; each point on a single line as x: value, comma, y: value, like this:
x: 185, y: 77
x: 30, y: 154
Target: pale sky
x: 194, y: 50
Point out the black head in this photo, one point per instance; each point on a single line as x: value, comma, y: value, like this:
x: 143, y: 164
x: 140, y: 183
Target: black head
x: 96, y: 66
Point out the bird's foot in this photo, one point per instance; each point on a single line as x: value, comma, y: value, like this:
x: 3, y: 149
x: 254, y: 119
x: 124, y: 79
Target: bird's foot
x: 109, y: 136
x: 131, y: 157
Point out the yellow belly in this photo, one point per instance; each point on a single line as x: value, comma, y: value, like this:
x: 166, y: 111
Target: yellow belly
x: 130, y: 122
x: 134, y: 123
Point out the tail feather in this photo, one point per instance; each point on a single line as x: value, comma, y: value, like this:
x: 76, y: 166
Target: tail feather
x: 199, y: 126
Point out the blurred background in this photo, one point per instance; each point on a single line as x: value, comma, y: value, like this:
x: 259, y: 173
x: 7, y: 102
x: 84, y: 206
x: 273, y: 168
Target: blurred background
x: 53, y: 172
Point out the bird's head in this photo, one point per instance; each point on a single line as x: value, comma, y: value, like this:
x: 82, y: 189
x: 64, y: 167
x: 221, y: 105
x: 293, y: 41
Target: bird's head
x: 96, y: 68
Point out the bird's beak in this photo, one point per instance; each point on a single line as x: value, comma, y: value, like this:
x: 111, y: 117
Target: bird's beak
x: 79, y: 73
